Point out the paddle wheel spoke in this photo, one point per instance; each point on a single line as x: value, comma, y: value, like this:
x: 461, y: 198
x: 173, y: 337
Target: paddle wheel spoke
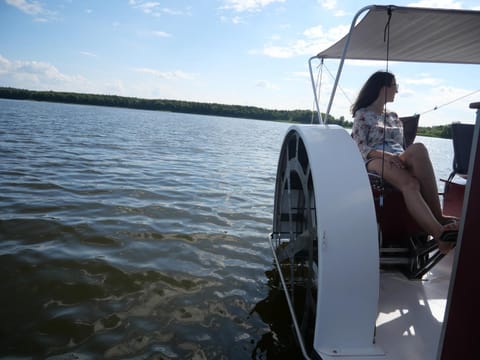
x: 294, y: 232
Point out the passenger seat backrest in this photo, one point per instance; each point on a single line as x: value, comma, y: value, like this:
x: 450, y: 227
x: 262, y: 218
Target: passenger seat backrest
x: 410, y: 126
x: 462, y: 135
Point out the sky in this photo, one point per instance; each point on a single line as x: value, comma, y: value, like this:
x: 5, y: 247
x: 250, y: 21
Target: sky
x: 242, y: 52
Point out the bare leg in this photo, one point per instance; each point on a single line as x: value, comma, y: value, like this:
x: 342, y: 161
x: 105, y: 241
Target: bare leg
x: 418, y: 162
x: 417, y: 206
x: 410, y: 188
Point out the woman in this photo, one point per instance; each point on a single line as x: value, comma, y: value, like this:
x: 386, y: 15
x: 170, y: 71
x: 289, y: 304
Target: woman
x: 379, y: 136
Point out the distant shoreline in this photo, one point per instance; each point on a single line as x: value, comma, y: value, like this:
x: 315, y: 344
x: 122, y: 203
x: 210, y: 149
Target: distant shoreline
x: 190, y: 107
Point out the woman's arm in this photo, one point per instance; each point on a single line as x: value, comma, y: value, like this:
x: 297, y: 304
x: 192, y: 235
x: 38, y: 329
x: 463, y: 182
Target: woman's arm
x: 360, y: 131
x: 392, y: 159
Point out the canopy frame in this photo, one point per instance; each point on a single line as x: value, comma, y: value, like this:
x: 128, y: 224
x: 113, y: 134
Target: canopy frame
x: 416, y: 35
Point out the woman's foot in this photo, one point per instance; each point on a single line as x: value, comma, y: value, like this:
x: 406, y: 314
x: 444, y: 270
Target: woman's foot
x: 448, y: 237
x: 449, y: 220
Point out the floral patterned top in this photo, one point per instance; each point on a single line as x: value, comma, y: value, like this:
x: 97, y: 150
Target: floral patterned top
x: 368, y: 129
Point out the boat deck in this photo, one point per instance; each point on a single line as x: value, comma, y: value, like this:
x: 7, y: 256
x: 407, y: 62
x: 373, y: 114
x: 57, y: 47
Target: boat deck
x: 411, y: 312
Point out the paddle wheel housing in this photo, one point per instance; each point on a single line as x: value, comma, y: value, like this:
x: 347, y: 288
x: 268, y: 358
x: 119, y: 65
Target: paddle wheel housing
x: 325, y: 233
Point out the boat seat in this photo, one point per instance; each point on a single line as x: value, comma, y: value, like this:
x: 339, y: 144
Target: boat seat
x: 403, y: 244
x: 410, y: 127
x: 454, y: 189
x: 462, y: 135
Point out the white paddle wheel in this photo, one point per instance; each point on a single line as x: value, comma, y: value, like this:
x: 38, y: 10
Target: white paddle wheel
x: 325, y: 242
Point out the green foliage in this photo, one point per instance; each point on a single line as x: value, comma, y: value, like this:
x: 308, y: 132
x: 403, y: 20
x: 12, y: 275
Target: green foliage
x: 440, y: 131
x: 249, y: 112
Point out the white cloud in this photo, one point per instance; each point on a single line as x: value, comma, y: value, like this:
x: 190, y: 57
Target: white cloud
x: 332, y: 5
x: 234, y: 19
x: 302, y: 74
x: 423, y: 80
x: 32, y: 8
x: 148, y: 7
x: 315, y: 39
x: 331, y: 35
x: 37, y: 75
x: 4, y: 65
x: 328, y: 4
x: 155, y: 8
x: 445, y: 104
x: 281, y: 52
x: 168, y: 75
x: 175, y: 11
x: 34, y: 74
x: 154, y: 33
x: 445, y: 4
x: 340, y: 13
x: 161, y: 34
x: 89, y: 54
x: 266, y: 85
x: 237, y: 20
x: 28, y: 7
x: 248, y: 5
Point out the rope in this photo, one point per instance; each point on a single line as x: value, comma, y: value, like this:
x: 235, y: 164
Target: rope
x: 451, y: 102
x: 341, y: 89
x: 319, y: 82
x: 386, y: 38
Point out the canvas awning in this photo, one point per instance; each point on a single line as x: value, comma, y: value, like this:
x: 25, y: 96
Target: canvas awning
x: 416, y: 34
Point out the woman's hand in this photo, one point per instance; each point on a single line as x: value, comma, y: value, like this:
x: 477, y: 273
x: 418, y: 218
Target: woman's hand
x: 391, y: 159
x: 395, y: 160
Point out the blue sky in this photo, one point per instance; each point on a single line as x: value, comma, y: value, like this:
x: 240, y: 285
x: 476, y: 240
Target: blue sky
x: 245, y: 52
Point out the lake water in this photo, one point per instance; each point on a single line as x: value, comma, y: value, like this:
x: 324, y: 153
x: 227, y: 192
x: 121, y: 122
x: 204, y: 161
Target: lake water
x: 128, y: 234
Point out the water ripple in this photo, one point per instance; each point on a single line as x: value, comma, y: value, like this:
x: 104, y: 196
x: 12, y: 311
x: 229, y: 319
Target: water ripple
x: 137, y: 234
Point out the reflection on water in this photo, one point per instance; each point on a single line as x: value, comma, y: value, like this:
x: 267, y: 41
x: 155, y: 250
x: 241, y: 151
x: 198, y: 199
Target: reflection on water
x: 135, y: 234
x: 280, y: 342
x: 70, y: 297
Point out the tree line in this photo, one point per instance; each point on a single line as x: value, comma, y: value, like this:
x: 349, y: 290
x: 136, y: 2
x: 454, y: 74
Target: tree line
x: 191, y: 107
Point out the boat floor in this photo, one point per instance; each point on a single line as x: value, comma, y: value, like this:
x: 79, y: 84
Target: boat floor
x: 411, y: 312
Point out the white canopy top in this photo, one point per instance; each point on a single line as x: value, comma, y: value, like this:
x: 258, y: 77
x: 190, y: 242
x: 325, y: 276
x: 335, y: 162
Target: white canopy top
x: 416, y: 34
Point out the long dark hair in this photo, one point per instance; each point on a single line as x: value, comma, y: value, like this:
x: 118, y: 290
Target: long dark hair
x: 371, y: 89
